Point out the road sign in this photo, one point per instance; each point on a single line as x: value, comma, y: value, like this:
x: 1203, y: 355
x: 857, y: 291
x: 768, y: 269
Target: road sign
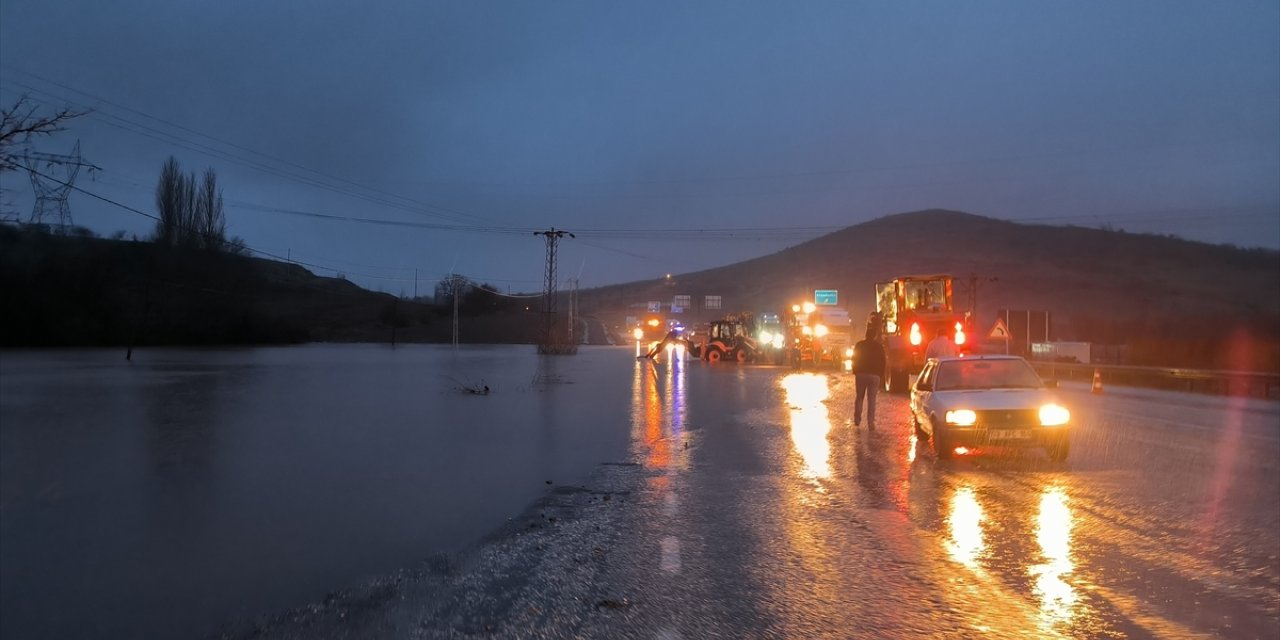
x: 654, y: 306
x: 1000, y: 330
x: 825, y: 297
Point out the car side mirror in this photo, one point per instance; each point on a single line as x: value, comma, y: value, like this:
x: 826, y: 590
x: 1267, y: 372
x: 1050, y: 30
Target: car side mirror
x: 1051, y: 384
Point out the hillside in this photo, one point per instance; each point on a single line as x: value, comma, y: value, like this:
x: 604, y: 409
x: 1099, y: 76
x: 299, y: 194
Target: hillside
x: 1175, y: 301
x: 60, y: 291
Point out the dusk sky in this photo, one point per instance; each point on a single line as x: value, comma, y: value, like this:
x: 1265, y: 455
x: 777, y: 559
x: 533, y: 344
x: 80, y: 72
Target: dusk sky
x: 670, y: 137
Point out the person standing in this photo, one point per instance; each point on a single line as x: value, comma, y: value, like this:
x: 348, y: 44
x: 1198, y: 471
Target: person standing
x: 941, y: 346
x: 869, y: 364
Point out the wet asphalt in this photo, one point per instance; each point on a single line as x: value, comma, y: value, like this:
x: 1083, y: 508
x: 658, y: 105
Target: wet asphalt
x: 750, y: 506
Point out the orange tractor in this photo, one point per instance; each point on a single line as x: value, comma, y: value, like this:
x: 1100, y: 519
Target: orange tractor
x: 909, y: 310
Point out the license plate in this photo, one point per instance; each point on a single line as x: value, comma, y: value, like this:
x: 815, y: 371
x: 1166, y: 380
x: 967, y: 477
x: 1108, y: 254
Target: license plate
x: 1008, y: 434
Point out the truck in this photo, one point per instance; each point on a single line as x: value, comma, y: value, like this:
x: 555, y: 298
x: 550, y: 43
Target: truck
x: 819, y: 336
x: 651, y: 329
x: 908, y: 311
x: 771, y: 334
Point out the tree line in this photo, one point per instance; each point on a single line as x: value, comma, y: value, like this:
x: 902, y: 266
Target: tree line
x: 190, y: 211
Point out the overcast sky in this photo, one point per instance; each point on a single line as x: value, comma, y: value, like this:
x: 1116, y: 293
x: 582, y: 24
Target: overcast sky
x: 636, y: 124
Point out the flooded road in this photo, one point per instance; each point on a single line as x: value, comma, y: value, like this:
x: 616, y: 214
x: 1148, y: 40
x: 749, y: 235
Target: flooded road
x: 165, y: 497
x: 742, y: 502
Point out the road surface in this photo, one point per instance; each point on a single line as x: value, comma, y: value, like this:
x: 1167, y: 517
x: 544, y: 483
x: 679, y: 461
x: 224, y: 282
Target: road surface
x: 752, y: 507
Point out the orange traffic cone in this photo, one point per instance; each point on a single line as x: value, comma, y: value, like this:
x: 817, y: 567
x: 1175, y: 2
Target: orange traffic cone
x: 1097, y: 382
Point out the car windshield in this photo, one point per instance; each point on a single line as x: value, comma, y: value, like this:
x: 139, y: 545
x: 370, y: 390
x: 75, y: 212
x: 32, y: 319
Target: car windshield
x: 986, y: 374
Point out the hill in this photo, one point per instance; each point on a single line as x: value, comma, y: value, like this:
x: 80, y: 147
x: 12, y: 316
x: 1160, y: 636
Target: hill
x: 1174, y: 301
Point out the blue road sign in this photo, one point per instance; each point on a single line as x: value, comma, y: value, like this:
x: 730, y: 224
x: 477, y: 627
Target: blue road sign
x: 825, y: 297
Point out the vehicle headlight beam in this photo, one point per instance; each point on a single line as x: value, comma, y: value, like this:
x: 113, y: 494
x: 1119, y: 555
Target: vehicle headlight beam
x: 1052, y: 415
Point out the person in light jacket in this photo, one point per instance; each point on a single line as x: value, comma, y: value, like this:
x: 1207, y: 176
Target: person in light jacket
x: 941, y: 346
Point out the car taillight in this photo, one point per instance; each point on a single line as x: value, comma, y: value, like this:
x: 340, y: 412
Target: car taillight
x: 959, y: 333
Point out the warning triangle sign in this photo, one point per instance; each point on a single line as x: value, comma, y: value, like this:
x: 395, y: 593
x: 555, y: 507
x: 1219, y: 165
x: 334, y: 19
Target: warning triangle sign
x: 1000, y: 330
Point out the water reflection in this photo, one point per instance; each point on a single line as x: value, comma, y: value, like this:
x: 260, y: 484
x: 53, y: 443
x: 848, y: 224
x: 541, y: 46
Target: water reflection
x: 1053, y: 532
x: 810, y: 423
x: 966, y: 543
x: 658, y: 413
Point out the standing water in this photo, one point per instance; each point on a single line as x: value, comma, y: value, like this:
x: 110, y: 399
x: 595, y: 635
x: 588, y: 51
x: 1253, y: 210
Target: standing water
x: 167, y: 496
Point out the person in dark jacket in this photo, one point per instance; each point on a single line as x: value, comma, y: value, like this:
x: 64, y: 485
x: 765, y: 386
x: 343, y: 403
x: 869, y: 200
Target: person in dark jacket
x: 869, y: 364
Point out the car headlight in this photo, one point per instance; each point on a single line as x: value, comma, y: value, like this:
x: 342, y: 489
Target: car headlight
x: 766, y: 337
x: 808, y: 331
x: 848, y: 353
x: 638, y: 333
x: 1052, y: 415
x: 962, y: 417
x: 821, y: 330
x: 778, y: 341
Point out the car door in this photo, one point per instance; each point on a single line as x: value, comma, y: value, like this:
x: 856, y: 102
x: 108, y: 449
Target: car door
x: 922, y: 391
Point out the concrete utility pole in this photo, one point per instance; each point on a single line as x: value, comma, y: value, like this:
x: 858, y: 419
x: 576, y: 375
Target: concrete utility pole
x: 553, y: 237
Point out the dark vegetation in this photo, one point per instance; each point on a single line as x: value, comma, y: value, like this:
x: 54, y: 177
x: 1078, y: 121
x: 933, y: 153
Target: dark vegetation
x: 1172, y: 302
x: 62, y: 290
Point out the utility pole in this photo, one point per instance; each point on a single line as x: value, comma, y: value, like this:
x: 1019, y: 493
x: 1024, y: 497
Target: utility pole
x: 974, y: 281
x: 553, y: 237
x: 455, y: 283
x: 573, y: 308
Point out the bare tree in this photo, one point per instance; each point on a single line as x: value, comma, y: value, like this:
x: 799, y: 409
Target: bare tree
x: 22, y: 122
x: 190, y: 214
x: 170, y: 203
x: 211, y: 224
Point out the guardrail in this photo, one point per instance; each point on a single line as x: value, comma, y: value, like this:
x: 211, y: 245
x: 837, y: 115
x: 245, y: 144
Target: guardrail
x: 1223, y: 383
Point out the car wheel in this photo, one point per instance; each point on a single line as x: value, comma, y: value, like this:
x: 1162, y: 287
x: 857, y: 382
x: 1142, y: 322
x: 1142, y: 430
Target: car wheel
x: 899, y: 381
x: 941, y: 448
x: 915, y: 424
x: 740, y: 355
x: 1058, y: 451
x: 714, y: 354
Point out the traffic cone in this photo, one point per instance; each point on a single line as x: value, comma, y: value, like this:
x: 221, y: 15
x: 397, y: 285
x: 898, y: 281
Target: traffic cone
x: 1097, y: 382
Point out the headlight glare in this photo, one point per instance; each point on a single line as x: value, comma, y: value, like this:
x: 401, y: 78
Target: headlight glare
x: 1052, y: 415
x: 962, y: 417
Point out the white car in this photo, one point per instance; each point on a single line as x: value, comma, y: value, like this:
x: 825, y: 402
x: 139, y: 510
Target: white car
x: 965, y: 404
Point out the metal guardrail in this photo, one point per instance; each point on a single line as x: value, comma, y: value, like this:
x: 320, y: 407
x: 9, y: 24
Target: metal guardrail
x: 1223, y: 383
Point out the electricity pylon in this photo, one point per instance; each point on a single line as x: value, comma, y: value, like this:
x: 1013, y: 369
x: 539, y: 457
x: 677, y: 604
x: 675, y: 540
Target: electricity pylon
x: 52, y: 191
x: 553, y: 237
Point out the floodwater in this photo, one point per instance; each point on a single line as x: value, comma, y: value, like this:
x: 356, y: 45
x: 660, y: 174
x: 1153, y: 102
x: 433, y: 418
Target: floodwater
x: 189, y: 488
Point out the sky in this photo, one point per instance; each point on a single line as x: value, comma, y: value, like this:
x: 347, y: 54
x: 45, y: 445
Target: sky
x: 397, y: 142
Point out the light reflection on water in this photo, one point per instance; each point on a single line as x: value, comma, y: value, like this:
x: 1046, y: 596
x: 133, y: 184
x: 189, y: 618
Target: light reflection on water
x: 964, y: 524
x: 966, y: 543
x: 1053, y: 532
x: 810, y: 423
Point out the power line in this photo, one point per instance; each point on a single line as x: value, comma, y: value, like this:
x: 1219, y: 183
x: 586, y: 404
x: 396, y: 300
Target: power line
x: 176, y: 140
